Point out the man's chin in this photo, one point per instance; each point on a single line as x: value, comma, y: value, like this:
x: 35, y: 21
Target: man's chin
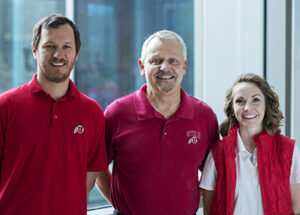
x: 58, y: 79
x: 165, y: 88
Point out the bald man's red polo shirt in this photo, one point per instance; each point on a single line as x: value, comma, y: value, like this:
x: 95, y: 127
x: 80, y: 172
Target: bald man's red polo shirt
x: 156, y: 161
x: 46, y: 149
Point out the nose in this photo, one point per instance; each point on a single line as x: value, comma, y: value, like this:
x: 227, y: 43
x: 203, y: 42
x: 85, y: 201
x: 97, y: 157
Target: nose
x: 58, y: 53
x: 164, y: 66
x: 247, y: 106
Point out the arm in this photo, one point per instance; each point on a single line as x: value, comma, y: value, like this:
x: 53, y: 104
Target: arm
x: 96, y: 157
x: 103, y: 183
x: 295, y: 195
x: 208, y: 196
x: 90, y: 180
x: 208, y: 183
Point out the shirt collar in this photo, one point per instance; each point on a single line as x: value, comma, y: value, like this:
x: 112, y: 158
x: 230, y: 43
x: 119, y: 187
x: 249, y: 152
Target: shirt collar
x: 240, y: 147
x: 71, y: 94
x: 242, y: 151
x: 145, y: 110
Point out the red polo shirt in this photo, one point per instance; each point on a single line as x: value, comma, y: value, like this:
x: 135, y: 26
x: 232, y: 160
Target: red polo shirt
x: 156, y: 161
x: 46, y: 149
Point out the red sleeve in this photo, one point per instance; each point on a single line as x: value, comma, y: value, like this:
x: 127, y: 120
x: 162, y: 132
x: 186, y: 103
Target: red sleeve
x: 3, y: 122
x: 216, y: 131
x: 214, y: 137
x: 97, y: 158
x: 109, y: 133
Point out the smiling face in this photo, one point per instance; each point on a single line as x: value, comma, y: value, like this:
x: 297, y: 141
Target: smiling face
x: 249, y: 106
x: 56, y: 53
x: 164, y: 66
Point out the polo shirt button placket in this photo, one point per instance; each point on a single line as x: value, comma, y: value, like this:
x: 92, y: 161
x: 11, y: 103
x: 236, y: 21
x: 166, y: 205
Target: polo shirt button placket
x: 54, y: 115
x: 54, y: 120
x: 54, y: 110
x: 164, y: 134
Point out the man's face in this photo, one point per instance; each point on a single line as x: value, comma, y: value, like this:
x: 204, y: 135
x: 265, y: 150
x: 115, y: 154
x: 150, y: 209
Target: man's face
x: 164, y: 66
x: 56, y: 53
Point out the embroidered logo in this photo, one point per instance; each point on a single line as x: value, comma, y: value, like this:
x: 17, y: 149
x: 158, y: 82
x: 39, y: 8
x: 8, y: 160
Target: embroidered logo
x: 193, y: 140
x: 79, y: 129
x: 193, y: 136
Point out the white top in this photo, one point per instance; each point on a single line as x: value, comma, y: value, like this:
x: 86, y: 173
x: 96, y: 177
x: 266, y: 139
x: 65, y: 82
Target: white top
x: 247, y: 197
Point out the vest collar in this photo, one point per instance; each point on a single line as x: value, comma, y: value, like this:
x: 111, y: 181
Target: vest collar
x: 229, y: 141
x: 263, y: 140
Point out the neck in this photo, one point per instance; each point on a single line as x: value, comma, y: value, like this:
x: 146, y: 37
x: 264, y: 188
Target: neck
x: 247, y: 135
x: 56, y: 90
x: 165, y: 104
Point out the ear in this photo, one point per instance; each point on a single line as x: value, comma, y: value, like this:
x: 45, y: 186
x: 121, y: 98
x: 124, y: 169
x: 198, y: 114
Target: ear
x: 77, y: 54
x: 141, y: 66
x: 184, y: 67
x: 33, y: 52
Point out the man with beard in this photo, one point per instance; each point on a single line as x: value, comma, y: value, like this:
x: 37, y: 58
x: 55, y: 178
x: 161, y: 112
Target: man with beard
x: 51, y: 135
x: 158, y: 137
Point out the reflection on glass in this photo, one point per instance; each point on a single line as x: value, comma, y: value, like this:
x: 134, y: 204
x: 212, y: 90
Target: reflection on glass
x: 17, y: 19
x: 113, y: 33
x: 112, y: 36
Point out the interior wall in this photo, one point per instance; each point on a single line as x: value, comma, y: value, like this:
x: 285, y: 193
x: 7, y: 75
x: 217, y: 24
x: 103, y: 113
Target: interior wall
x: 229, y: 42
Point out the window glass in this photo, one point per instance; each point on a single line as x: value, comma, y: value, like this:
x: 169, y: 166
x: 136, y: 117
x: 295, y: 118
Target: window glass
x: 17, y: 18
x: 112, y: 34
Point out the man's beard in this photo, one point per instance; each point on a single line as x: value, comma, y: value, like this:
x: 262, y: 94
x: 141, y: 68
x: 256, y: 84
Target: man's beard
x: 166, y: 86
x: 57, y: 78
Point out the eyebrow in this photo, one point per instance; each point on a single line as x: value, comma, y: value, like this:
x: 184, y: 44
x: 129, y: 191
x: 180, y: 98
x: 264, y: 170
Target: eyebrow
x: 241, y: 97
x: 158, y: 55
x: 155, y: 56
x: 67, y: 42
x: 257, y: 95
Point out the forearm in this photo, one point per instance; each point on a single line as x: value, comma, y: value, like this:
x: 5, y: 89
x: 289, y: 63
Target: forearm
x: 295, y: 196
x: 201, y: 196
x: 207, y: 201
x: 103, y: 182
x: 90, y: 180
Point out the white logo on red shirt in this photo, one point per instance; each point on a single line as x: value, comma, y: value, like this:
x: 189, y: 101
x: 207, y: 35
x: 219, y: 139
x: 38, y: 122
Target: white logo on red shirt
x: 79, y: 129
x: 193, y: 136
x: 193, y: 140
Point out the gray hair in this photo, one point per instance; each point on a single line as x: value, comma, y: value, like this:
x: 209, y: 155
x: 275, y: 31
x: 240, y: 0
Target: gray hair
x: 164, y: 35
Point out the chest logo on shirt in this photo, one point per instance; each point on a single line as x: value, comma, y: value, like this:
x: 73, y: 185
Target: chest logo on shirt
x: 79, y: 129
x: 194, y: 136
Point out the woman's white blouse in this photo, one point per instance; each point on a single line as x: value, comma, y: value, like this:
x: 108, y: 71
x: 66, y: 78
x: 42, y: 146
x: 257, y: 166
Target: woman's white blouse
x: 247, y: 196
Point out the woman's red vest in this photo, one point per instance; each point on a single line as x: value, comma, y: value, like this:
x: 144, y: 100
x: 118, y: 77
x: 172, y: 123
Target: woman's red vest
x: 274, y: 159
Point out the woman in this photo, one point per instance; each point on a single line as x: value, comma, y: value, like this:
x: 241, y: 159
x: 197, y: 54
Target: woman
x: 254, y: 169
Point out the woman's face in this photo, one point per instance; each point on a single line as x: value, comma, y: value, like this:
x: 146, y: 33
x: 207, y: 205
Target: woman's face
x: 249, y: 106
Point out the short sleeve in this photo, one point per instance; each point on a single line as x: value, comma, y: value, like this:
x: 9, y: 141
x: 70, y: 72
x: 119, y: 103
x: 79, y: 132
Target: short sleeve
x: 213, y: 136
x: 97, y: 157
x: 3, y: 122
x: 209, y: 174
x: 109, y: 132
x: 295, y: 170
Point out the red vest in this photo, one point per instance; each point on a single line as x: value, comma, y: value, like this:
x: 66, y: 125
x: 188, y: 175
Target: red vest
x: 274, y: 158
